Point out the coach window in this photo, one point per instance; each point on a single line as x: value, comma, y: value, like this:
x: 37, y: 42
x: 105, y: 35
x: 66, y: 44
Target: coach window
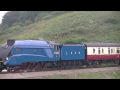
x: 108, y: 50
x: 111, y: 50
x: 98, y: 50
x: 102, y: 50
x: 118, y: 51
x: 93, y: 50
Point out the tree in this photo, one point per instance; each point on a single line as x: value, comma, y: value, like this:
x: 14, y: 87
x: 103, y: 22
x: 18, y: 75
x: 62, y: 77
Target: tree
x: 10, y: 17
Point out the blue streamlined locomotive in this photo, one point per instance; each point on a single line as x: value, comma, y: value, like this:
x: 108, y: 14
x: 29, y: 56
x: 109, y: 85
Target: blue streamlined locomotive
x: 40, y: 53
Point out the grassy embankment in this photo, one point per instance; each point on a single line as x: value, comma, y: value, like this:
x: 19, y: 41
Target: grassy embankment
x: 74, y: 26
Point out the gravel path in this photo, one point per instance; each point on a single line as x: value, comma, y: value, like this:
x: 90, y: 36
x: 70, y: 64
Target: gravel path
x: 58, y: 72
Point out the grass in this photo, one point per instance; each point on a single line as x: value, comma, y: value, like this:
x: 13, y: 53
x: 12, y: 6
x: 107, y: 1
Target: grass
x: 97, y: 75
x: 73, y: 26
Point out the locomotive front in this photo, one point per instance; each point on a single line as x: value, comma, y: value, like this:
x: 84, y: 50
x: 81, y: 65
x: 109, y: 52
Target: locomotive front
x: 5, y: 52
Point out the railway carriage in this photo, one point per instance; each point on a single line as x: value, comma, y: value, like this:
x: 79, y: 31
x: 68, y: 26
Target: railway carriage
x: 103, y: 52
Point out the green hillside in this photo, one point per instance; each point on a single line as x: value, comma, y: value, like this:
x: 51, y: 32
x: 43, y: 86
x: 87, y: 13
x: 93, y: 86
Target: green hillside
x: 73, y: 26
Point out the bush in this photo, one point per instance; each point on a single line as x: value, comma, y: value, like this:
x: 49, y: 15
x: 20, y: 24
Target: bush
x: 74, y: 40
x: 47, y: 17
x: 17, y: 24
x: 14, y: 27
x: 111, y: 20
x: 40, y: 16
x: 3, y: 27
x: 28, y: 22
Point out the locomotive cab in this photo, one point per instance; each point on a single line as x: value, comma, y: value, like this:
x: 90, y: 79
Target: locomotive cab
x: 57, y: 49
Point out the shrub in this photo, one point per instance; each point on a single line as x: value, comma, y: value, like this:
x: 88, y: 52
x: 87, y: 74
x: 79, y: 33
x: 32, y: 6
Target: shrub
x: 40, y: 16
x: 14, y: 27
x: 74, y: 40
x: 18, y: 24
x: 28, y: 22
x: 111, y: 20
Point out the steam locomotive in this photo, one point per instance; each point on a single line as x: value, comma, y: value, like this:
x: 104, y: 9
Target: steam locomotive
x: 37, y: 55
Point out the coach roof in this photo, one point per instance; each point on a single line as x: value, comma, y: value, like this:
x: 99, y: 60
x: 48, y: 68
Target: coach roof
x: 103, y: 44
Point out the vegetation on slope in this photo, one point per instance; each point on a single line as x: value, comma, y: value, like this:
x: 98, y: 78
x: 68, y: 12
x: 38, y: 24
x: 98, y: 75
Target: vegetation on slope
x: 68, y: 27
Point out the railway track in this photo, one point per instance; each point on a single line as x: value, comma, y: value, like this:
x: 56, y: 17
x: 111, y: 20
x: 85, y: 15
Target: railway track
x: 55, y: 69
x: 24, y: 75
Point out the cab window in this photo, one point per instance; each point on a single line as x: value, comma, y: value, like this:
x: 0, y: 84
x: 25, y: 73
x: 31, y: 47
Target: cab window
x: 56, y: 48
